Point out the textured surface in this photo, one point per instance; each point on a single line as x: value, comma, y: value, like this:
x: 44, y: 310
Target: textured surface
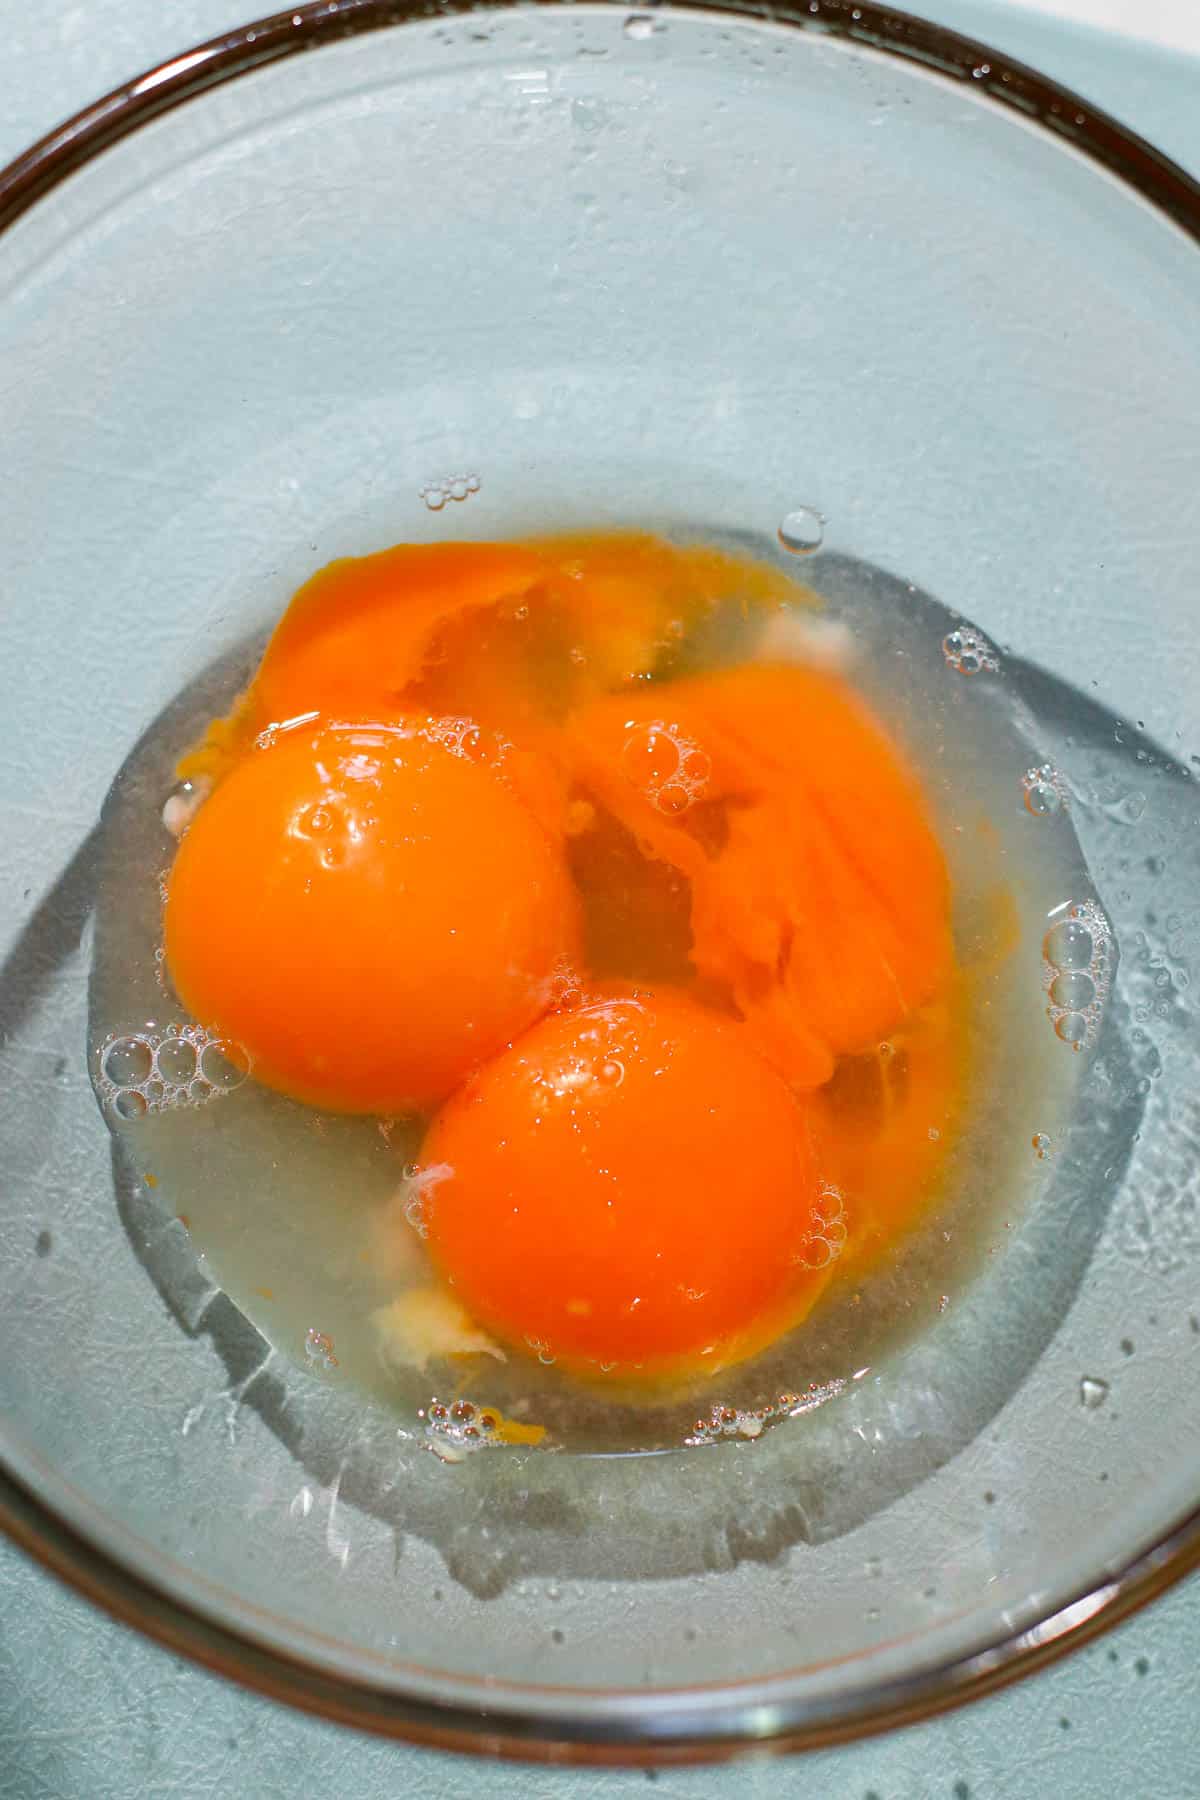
x: 87, y: 1709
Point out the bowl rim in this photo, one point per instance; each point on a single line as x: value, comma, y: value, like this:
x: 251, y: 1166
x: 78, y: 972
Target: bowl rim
x: 688, y: 1724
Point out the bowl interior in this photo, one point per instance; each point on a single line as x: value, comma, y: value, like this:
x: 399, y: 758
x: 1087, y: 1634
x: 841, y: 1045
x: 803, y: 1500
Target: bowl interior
x: 677, y: 268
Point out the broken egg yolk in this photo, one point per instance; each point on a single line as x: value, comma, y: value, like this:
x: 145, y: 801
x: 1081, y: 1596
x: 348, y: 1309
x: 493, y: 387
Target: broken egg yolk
x: 628, y: 1183
x: 369, y: 913
x: 476, y: 792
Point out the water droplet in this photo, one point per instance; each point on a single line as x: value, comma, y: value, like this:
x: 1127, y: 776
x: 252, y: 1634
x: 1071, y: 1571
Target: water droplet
x: 129, y: 1104
x: 176, y: 1061
x: 127, y: 1061
x: 1092, y: 1392
x: 802, y: 531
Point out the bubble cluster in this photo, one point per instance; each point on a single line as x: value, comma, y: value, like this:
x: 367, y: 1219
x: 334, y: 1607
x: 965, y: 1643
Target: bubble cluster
x: 1045, y: 791
x: 802, y: 531
x: 668, y: 767
x: 751, y: 1422
x: 968, y: 652
x: 827, y: 1235
x: 1042, y: 1145
x: 566, y: 986
x: 460, y: 736
x: 151, y: 1071
x: 1077, y: 959
x: 455, y: 1428
x: 318, y: 1349
x: 450, y: 487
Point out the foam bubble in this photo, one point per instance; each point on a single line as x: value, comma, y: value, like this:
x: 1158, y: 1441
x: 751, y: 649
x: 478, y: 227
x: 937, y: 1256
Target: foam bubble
x: 750, y: 1422
x: 175, y: 1061
x: 126, y: 1061
x: 827, y: 1233
x: 671, y: 769
x: 435, y: 494
x: 1077, y: 966
x: 152, y: 1071
x: 1045, y: 791
x: 968, y: 652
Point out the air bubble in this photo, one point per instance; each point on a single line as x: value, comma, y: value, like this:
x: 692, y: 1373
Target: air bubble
x: 802, y: 531
x: 127, y: 1061
x: 1045, y: 791
x: 200, y: 1090
x: 640, y: 26
x: 1069, y: 945
x: 131, y: 1104
x: 175, y: 1061
x: 224, y: 1064
x: 750, y: 1422
x: 969, y: 652
x: 1093, y: 1392
x: 669, y: 768
x: 1072, y: 1028
x: 449, y: 487
x: 1073, y: 989
x: 462, y: 737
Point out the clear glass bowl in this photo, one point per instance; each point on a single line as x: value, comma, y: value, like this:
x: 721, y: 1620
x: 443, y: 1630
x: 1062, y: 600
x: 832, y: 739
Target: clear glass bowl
x: 673, y: 264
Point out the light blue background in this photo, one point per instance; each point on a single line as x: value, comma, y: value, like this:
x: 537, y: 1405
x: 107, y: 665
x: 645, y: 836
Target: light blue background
x: 87, y: 1710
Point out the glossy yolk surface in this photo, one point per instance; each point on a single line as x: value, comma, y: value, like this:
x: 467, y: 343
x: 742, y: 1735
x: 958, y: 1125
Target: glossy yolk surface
x: 369, y: 913
x: 627, y: 1183
x: 819, y: 897
x: 459, y: 766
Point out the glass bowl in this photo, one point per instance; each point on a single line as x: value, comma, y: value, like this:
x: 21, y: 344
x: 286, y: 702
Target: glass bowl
x: 697, y: 265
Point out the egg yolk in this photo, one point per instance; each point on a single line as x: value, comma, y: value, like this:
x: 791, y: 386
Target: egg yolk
x: 628, y: 1182
x: 369, y: 913
x: 819, y: 896
x: 469, y: 779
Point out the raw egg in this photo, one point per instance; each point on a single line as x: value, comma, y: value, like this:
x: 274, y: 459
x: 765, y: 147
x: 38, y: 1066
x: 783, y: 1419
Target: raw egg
x: 628, y: 1184
x: 369, y: 912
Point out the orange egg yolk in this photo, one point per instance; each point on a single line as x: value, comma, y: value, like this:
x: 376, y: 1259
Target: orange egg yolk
x: 462, y: 769
x: 370, y: 913
x: 819, y: 896
x: 628, y: 1182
